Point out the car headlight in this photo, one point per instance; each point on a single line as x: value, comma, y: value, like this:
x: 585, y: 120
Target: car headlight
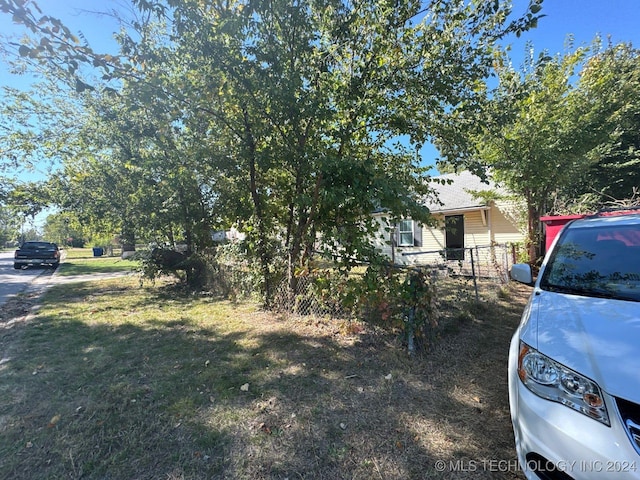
x: 553, y: 381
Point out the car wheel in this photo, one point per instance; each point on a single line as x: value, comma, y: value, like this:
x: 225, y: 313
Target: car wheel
x: 17, y: 266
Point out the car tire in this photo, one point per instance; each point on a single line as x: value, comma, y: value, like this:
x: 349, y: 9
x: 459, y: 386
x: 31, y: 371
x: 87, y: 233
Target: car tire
x: 17, y: 266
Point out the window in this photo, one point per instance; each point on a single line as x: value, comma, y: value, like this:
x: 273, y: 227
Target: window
x: 596, y: 262
x: 405, y: 233
x: 454, y: 236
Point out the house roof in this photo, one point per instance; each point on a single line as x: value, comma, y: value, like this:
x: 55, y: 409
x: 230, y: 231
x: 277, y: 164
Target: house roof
x: 455, y: 196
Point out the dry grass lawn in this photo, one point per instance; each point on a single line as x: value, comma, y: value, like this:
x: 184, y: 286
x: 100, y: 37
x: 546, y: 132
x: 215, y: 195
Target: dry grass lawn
x: 108, y: 380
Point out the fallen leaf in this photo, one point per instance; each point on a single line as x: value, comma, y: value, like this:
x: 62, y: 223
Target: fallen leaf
x: 388, y: 377
x: 265, y: 429
x: 206, y: 364
x: 245, y: 387
x: 54, y: 420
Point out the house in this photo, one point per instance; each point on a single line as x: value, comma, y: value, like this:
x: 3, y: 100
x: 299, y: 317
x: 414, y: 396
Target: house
x: 472, y: 217
x: 230, y: 235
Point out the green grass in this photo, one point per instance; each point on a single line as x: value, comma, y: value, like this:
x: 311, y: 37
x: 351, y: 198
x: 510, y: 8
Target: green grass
x: 76, y: 253
x: 112, y: 380
x: 80, y: 261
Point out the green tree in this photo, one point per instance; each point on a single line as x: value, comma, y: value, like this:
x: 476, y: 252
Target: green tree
x: 558, y: 139
x: 610, y: 81
x: 535, y: 132
x: 307, y: 99
x: 136, y: 179
x: 284, y: 117
x: 9, y: 226
x: 64, y: 229
x: 28, y: 199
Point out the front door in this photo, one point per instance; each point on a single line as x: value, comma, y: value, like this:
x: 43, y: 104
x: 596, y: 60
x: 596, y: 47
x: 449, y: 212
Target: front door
x: 454, y: 237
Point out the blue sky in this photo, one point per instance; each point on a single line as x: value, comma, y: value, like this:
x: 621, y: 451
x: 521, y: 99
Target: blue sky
x: 583, y: 19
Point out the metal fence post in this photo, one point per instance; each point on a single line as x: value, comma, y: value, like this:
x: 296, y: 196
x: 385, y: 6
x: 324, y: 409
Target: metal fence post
x: 473, y: 274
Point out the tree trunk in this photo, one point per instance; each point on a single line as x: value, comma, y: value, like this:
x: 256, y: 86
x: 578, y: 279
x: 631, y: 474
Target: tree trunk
x: 262, y: 243
x: 533, y: 227
x: 127, y: 239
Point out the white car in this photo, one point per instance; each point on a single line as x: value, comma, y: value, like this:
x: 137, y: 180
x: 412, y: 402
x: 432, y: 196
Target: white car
x: 574, y: 361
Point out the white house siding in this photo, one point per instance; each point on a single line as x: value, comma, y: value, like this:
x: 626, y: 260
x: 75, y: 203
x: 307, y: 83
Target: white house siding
x: 412, y: 255
x: 483, y: 228
x: 475, y: 232
x: 504, y: 222
x: 432, y: 244
x: 381, y: 239
x: 433, y: 237
x: 382, y: 242
x: 488, y: 230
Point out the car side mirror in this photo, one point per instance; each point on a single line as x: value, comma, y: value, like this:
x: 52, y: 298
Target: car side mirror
x: 521, y: 272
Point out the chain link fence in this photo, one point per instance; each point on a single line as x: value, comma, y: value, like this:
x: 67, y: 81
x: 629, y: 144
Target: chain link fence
x: 486, y: 262
x: 418, y: 299
x: 463, y: 274
x: 310, y: 294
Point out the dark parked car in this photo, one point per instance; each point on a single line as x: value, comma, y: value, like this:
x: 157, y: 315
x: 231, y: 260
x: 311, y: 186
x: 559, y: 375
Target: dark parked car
x: 36, y: 253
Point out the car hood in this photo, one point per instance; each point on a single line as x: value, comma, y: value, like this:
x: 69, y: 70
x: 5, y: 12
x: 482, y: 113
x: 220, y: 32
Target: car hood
x: 599, y: 338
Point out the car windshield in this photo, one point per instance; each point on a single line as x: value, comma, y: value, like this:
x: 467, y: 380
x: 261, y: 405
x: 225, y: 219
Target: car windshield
x: 596, y: 262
